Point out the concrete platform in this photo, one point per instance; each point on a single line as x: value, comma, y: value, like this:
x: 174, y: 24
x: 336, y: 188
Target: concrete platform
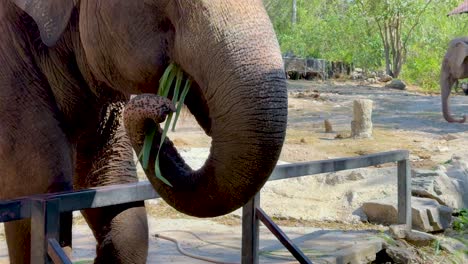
x: 209, y: 239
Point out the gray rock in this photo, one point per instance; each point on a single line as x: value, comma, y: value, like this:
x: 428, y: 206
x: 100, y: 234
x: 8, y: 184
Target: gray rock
x: 402, y: 255
x: 397, y: 231
x: 396, y: 84
x: 420, y: 239
x: 372, y: 75
x: 428, y: 215
x: 437, y: 185
x: 457, y: 171
x: 385, y: 78
x: 382, y: 211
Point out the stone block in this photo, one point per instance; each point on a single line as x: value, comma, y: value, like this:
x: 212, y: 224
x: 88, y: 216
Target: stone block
x: 437, y: 185
x: 361, y: 126
x: 428, y: 215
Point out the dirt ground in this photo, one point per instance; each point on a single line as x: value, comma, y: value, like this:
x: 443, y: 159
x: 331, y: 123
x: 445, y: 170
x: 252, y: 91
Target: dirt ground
x: 402, y: 120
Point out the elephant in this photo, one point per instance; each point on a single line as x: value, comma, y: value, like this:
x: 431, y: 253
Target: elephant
x: 454, y: 68
x: 69, y: 69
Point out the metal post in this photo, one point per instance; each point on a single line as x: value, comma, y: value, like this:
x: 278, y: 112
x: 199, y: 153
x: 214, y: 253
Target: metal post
x: 282, y: 237
x: 404, y: 193
x: 250, y: 231
x: 45, y: 225
x: 56, y: 253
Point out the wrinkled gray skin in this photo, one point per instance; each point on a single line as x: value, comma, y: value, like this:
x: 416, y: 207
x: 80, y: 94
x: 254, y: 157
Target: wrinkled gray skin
x: 70, y: 66
x: 454, y: 68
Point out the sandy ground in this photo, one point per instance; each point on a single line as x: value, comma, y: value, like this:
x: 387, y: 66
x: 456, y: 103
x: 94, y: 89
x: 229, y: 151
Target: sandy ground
x: 402, y: 120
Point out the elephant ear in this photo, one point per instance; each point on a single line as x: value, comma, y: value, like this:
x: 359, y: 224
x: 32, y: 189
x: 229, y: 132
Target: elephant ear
x: 461, y: 53
x: 51, y: 16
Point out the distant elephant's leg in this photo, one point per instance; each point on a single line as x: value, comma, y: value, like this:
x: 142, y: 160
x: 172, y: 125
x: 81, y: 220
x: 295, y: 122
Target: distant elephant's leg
x: 35, y: 157
x: 122, y: 230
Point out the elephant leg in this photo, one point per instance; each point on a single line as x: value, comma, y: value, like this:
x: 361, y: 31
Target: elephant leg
x: 35, y: 157
x: 121, y: 231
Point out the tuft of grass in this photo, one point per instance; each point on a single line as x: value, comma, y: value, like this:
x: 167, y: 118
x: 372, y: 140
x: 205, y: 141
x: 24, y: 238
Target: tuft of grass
x: 172, y: 77
x: 461, y: 221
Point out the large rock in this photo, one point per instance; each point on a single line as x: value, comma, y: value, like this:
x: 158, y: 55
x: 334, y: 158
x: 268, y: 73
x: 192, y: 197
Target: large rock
x: 385, y: 78
x: 458, y: 173
x: 396, y: 84
x: 428, y: 215
x: 397, y: 251
x: 438, y: 186
x: 420, y: 239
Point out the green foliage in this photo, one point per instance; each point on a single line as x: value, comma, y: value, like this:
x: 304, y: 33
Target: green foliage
x: 461, y: 221
x: 347, y: 30
x: 172, y: 72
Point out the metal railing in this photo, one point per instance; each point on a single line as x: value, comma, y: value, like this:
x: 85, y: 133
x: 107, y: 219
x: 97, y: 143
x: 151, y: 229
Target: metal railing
x: 252, y: 213
x: 44, y: 210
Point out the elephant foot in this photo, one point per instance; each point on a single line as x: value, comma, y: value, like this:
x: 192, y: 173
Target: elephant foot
x: 121, y: 232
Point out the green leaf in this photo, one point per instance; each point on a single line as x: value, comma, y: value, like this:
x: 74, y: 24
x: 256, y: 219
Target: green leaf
x: 159, y: 174
x: 167, y: 87
x: 164, y: 79
x: 180, y: 76
x: 188, y: 83
x: 163, y: 137
x: 172, y: 72
x: 148, y: 143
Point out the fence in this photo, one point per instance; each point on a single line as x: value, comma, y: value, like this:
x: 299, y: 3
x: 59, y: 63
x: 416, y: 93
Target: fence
x: 306, y: 67
x: 44, y: 210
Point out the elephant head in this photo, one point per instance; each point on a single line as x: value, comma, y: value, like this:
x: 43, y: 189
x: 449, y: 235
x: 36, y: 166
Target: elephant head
x: 454, y: 67
x: 238, y: 95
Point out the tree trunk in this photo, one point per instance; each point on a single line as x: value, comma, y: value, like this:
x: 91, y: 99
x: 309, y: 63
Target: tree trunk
x: 294, y: 12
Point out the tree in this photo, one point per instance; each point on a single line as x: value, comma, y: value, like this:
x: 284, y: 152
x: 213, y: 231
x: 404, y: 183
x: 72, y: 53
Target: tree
x: 294, y: 12
x: 396, y: 21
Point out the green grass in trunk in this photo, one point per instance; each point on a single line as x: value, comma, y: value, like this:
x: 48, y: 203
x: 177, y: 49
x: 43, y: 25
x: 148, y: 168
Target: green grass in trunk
x: 173, y: 73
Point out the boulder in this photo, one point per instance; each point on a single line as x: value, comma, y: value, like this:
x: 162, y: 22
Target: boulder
x: 457, y: 171
x: 385, y: 78
x: 402, y: 255
x: 396, y: 84
x: 420, y: 239
x: 357, y: 76
x: 372, y: 75
x: 439, y: 186
x: 398, y: 252
x: 428, y: 215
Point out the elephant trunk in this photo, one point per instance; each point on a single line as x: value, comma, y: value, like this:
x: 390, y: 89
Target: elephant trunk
x: 446, y: 83
x: 238, y: 96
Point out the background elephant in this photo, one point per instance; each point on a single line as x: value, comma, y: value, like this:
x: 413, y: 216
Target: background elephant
x: 454, y: 68
x: 70, y: 66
